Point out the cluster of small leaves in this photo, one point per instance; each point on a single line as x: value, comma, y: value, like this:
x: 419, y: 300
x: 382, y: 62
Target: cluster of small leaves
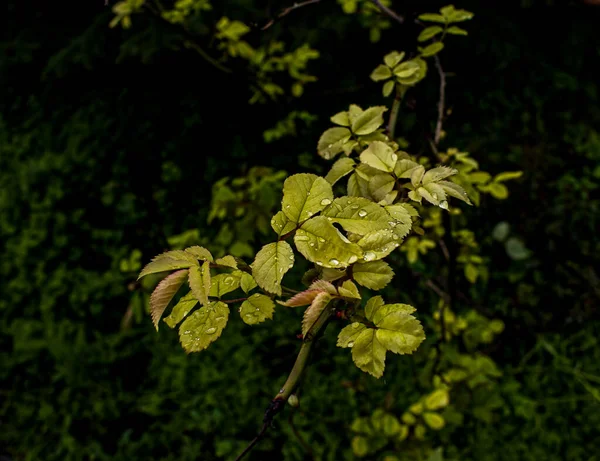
x: 266, y: 63
x: 474, y: 327
x: 383, y: 429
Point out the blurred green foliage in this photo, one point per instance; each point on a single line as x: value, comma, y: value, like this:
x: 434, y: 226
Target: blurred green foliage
x: 110, y: 142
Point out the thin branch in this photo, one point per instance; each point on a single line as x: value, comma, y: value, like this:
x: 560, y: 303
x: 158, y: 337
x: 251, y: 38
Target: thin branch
x: 392, y: 14
x: 391, y: 128
x: 256, y: 439
x: 287, y: 11
x: 441, y: 102
x: 231, y: 301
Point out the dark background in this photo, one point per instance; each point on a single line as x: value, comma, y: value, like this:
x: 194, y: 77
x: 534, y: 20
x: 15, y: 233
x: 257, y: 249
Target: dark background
x: 110, y: 141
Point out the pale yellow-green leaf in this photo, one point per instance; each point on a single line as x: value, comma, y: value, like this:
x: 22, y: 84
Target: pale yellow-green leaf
x: 313, y: 312
x: 341, y: 118
x: 340, y: 168
x: 459, y: 15
x: 479, y: 177
x: 323, y: 285
x: 368, y: 353
x: 454, y: 190
x: 398, y: 331
x: 354, y: 112
x: 331, y: 142
x: 380, y: 185
x: 228, y: 261
x: 432, y: 49
x: 380, y: 156
x: 256, y: 309
x: 401, y: 214
x: 434, y: 421
x: 357, y: 186
x: 432, y: 17
x: 497, y: 190
x: 381, y: 72
x: 417, y: 175
x: 349, y: 146
x: 332, y: 274
x: 171, y: 260
x: 429, y: 32
x: 349, y: 334
x: 305, y: 195
x: 378, y: 244
x: 508, y: 175
x: 373, y: 274
x: 181, y: 309
x: 471, y: 272
x: 437, y: 174
x: 349, y: 290
x: 200, y: 253
x: 271, y: 264
x: 455, y: 30
x: 281, y: 224
x: 358, y: 215
x: 247, y: 282
x: 368, y: 121
x: 320, y: 242
x: 404, y: 168
x: 163, y: 294
x: 406, y: 69
x: 393, y: 58
x: 388, y: 87
x: 203, y: 326
x: 434, y: 193
x: 373, y: 305
x: 225, y: 283
x: 196, y: 283
x: 360, y: 445
x: 389, y: 198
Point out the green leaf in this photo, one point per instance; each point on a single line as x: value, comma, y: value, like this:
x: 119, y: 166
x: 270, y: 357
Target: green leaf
x: 516, y: 249
x: 368, y: 353
x: 256, y: 309
x: 203, y: 326
x: 331, y: 142
x: 341, y: 118
x: 360, y: 446
x: 429, y: 32
x: 197, y: 279
x: 228, y: 261
x: 349, y: 290
x: 437, y: 174
x: 508, y: 175
x: 497, y: 190
x: 377, y: 245
x: 181, y: 309
x: 381, y: 72
x: 401, y: 214
x: 358, y: 215
x: 314, y: 311
x: 340, y: 168
x: 432, y: 49
x: 200, y: 253
x: 434, y: 421
x: 388, y: 87
x: 501, y: 231
x: 455, y: 30
x: 432, y: 17
x: 437, y: 399
x: 380, y: 156
x: 163, y: 294
x: 349, y: 334
x: 404, y: 168
x: 459, y: 16
x: 369, y: 120
x: 406, y: 69
x: 271, y: 264
x: 225, y: 283
x: 380, y: 185
x: 305, y: 195
x: 281, y: 224
x: 171, y: 260
x: 373, y: 274
x: 454, y: 190
x: 393, y: 58
x: 320, y: 242
x: 479, y: 177
x: 349, y: 146
x: 247, y: 282
x: 471, y: 272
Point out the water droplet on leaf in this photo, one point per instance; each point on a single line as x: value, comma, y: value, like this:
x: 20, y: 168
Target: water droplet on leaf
x: 351, y: 343
x: 362, y: 213
x: 211, y: 330
x: 369, y: 256
x: 352, y: 259
x: 334, y: 262
x: 325, y: 202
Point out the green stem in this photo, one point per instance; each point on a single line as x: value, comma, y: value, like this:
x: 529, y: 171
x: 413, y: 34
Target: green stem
x: 395, y: 111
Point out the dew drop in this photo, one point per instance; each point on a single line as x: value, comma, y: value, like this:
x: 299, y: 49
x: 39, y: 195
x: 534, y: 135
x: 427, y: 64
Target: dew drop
x: 354, y: 207
x: 392, y: 223
x: 312, y: 244
x: 329, y: 146
x: 218, y: 319
x: 352, y: 259
x: 291, y: 257
x: 395, y: 237
x: 280, y: 270
x: 338, y: 206
x: 331, y: 219
x: 384, y: 249
x: 187, y: 332
x: 351, y: 343
x: 325, y: 202
x: 321, y: 239
x: 282, y: 390
x: 290, y: 266
x: 211, y: 331
x: 319, y: 263
x: 397, y: 245
x: 369, y: 256
x: 394, y: 157
x: 287, y: 207
x: 334, y: 262
x: 362, y: 213
x: 444, y: 204
x: 258, y: 308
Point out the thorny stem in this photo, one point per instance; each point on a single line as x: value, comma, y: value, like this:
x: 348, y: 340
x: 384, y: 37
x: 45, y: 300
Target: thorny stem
x: 441, y: 102
x: 392, y: 14
x: 287, y: 11
x: 295, y: 375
